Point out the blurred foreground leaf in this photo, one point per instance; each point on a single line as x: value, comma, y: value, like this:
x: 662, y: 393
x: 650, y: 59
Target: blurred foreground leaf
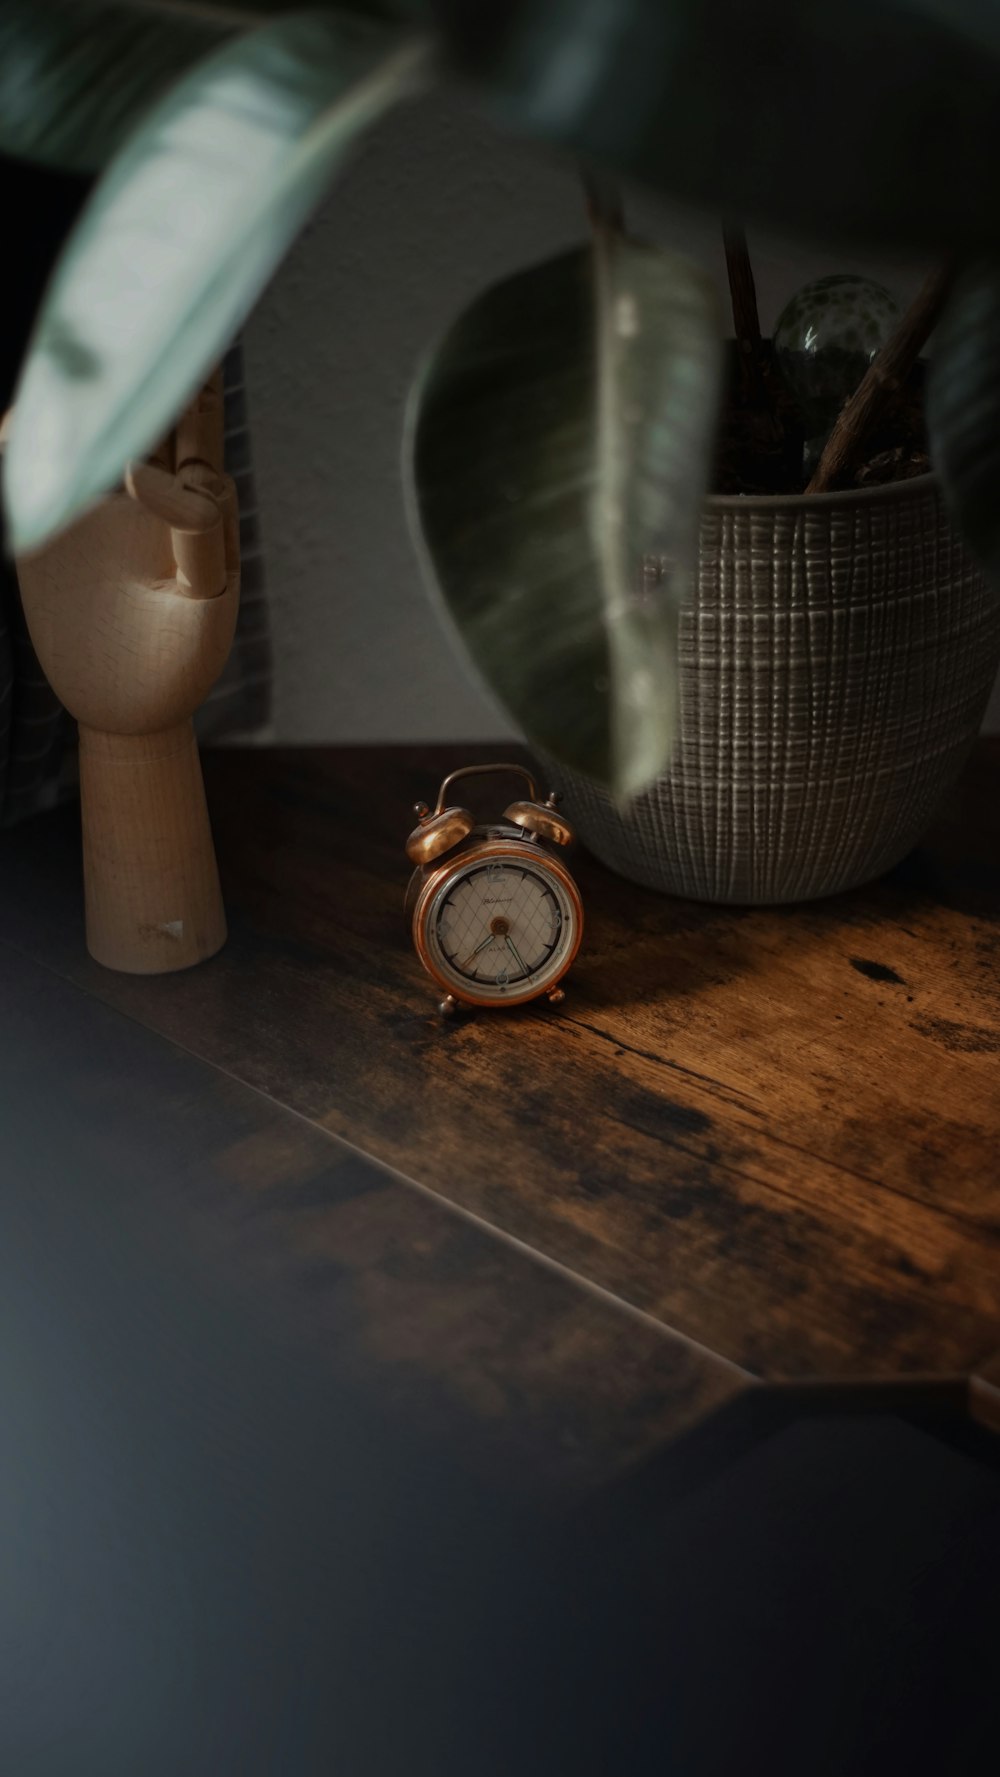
x: 176, y: 244
x: 559, y: 440
x: 863, y: 120
x: 963, y: 408
x: 74, y: 79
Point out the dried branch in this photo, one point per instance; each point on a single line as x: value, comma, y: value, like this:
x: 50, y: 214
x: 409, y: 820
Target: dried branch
x: 756, y: 388
x: 746, y: 321
x: 883, y: 379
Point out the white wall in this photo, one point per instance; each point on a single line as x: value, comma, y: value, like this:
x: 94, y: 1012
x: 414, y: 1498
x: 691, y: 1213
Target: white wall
x: 435, y: 206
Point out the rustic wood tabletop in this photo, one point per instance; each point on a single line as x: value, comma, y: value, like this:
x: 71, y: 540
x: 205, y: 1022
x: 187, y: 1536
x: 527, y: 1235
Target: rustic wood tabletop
x: 755, y: 1151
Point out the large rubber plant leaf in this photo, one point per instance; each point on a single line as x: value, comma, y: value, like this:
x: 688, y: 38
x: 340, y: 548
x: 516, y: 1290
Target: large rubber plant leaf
x: 558, y: 445
x: 243, y: 14
x: 963, y: 408
x: 176, y: 243
x: 874, y: 121
x: 75, y: 79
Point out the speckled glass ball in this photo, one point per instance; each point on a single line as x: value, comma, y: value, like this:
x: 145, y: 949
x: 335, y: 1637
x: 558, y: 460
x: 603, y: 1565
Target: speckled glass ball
x: 825, y: 339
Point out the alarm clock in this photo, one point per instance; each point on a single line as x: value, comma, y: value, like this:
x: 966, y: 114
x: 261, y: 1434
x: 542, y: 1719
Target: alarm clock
x: 497, y: 918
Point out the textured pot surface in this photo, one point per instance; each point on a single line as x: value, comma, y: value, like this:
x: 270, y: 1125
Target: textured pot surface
x: 836, y: 660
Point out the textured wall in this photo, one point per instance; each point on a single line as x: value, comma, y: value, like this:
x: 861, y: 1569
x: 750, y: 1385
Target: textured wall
x: 435, y: 206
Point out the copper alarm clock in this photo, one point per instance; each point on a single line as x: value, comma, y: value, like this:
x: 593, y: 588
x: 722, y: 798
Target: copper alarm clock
x: 497, y: 917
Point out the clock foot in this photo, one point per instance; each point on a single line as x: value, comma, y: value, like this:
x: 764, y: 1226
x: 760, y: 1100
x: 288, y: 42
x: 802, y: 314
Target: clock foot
x: 448, y: 1006
x: 556, y: 997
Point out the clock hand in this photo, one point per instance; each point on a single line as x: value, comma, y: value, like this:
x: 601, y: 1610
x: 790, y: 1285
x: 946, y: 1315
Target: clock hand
x: 515, y: 953
x: 486, y: 941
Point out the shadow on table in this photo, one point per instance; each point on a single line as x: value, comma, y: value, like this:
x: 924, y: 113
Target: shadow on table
x: 218, y: 1560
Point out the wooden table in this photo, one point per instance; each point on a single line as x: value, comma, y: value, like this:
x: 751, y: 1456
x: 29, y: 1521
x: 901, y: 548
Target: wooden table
x: 754, y: 1156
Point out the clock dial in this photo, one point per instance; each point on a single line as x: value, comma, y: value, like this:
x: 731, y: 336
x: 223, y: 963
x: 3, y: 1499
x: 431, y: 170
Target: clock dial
x: 501, y: 928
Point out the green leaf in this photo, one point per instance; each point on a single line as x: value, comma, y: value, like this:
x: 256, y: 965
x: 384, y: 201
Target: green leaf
x: 558, y: 446
x: 75, y: 79
x: 243, y: 14
x: 865, y: 120
x: 175, y: 245
x: 963, y: 408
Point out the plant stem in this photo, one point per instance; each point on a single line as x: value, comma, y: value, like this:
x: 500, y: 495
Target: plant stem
x: 603, y: 198
x: 883, y: 379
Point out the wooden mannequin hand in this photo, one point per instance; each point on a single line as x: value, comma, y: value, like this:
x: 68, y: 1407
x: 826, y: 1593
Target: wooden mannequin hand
x: 132, y: 613
x: 132, y: 618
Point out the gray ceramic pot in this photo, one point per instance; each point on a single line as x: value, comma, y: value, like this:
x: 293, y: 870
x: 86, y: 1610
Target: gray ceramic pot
x: 836, y: 660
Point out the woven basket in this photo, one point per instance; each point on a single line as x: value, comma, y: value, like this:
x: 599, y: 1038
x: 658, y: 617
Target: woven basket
x: 835, y: 662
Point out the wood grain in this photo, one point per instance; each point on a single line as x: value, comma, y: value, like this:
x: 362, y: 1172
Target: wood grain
x: 776, y: 1130
x: 984, y: 1394
x: 501, y: 1363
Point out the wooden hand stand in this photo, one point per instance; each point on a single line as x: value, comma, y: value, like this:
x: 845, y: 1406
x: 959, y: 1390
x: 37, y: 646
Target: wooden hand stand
x: 132, y: 612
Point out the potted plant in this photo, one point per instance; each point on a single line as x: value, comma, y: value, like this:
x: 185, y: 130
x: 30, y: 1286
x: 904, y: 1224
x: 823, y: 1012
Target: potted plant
x: 589, y: 429
x: 839, y: 644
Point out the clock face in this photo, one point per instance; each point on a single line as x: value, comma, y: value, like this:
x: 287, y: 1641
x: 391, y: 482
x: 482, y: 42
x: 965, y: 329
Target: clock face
x: 502, y: 927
